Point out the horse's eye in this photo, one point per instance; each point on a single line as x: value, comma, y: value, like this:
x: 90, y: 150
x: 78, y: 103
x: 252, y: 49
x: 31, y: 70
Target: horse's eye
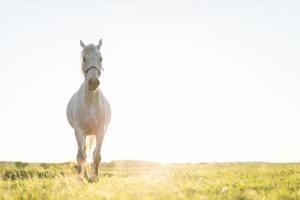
x: 100, y: 59
x: 83, y: 59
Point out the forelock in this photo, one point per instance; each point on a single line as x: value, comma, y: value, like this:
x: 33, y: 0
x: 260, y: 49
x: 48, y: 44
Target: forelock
x: 89, y: 49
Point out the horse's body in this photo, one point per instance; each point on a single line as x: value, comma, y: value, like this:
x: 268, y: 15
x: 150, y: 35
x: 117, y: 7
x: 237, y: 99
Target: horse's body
x: 88, y: 111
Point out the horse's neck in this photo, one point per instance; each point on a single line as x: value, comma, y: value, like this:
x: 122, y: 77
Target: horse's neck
x: 91, y: 97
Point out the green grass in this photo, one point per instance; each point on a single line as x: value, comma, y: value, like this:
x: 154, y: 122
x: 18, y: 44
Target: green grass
x: 144, y: 180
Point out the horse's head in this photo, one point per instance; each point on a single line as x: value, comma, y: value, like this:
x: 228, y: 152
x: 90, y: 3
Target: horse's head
x: 91, y: 64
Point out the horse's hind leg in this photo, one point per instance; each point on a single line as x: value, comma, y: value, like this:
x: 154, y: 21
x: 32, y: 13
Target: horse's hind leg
x: 81, y: 157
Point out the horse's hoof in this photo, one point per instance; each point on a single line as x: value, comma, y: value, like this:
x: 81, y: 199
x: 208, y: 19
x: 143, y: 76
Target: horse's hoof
x: 81, y: 178
x: 93, y: 179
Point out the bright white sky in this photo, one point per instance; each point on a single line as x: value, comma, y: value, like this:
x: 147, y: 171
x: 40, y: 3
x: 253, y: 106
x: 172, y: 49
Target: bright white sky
x: 188, y: 81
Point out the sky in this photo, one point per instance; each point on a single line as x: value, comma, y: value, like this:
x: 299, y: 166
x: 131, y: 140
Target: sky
x: 188, y: 81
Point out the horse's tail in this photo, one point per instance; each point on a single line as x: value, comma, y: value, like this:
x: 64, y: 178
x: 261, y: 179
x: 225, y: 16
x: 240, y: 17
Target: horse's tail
x: 90, y: 143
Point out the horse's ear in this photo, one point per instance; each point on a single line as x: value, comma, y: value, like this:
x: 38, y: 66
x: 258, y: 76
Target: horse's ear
x: 99, y: 44
x: 82, y: 44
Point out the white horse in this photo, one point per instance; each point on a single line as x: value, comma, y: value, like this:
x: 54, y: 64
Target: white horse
x: 88, y: 111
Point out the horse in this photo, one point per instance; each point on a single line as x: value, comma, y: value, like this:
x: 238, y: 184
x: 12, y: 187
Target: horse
x: 88, y: 111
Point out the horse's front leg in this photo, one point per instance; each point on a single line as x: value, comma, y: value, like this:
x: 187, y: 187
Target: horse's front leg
x: 97, y: 152
x: 81, y: 156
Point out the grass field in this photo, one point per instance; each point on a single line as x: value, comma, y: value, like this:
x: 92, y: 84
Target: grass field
x: 145, y: 180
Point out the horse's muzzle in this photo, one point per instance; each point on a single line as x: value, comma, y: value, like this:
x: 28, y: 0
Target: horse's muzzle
x: 93, y: 83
